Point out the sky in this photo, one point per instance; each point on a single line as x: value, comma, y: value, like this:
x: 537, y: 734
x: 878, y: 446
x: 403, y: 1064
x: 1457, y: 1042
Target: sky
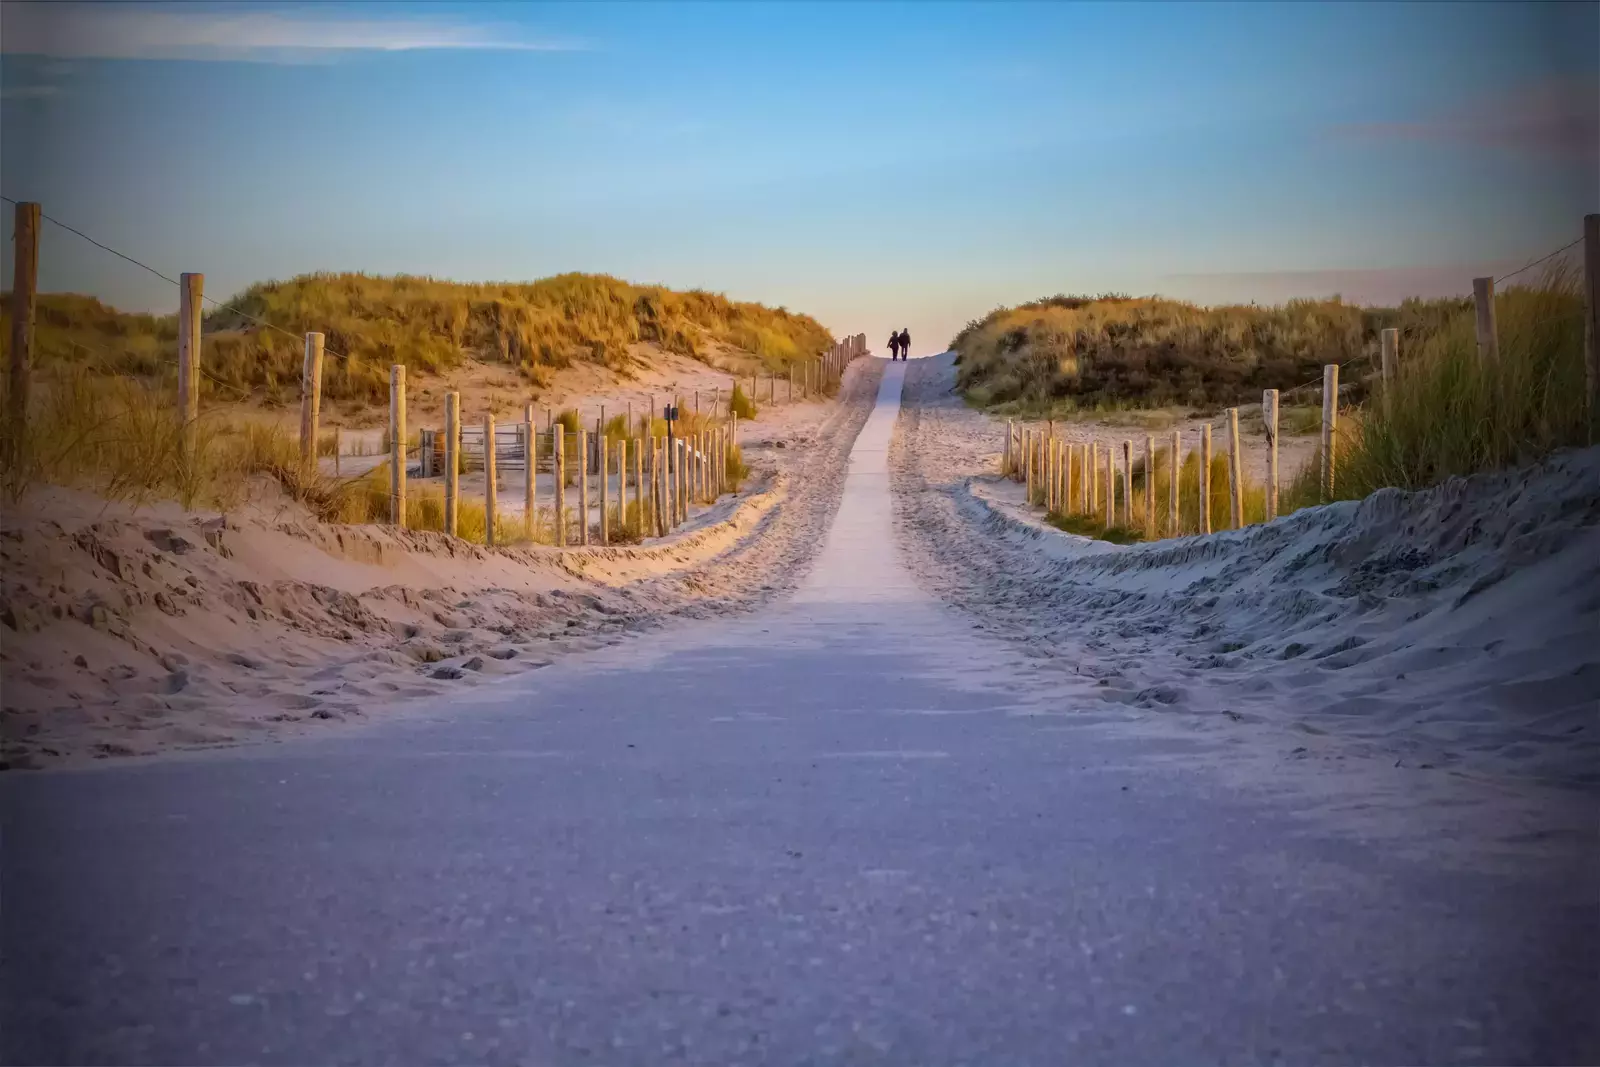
x: 876, y: 165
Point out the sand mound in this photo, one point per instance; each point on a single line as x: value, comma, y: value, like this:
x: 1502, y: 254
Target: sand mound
x: 1456, y: 626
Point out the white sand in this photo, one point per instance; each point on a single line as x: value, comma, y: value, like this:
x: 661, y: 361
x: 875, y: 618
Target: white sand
x: 131, y: 631
x: 1455, y: 628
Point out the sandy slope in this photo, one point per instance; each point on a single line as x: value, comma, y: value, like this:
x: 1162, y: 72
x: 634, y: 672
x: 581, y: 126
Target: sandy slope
x: 135, y: 630
x: 1457, y: 628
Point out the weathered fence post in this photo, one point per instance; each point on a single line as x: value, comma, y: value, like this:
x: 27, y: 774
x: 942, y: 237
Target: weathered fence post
x: 1127, y: 484
x: 558, y: 455
x: 491, y: 492
x: 605, y: 489
x: 530, y: 475
x: 1483, y: 305
x: 310, y: 402
x: 681, y: 487
x: 1330, y: 425
x: 1269, y: 419
x: 1175, y: 464
x: 1591, y: 316
x: 190, y: 294
x: 24, y: 311
x: 1391, y: 361
x: 338, y: 450
x: 452, y: 462
x: 397, y: 444
x: 621, y: 487
x: 1205, y: 478
x: 1235, y: 470
x: 1093, y: 486
x: 1149, y: 485
x: 1111, y: 487
x: 638, y: 485
x: 583, y: 487
x: 661, y: 497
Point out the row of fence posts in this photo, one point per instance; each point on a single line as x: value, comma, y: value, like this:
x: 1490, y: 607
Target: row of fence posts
x: 657, y: 476
x: 1080, y: 478
x: 668, y: 473
x: 1064, y: 477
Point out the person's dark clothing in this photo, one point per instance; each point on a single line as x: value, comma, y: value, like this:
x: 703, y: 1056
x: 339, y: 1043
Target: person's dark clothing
x: 894, y: 346
x: 905, y: 343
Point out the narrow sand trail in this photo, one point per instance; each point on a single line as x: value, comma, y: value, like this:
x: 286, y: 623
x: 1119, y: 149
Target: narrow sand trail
x: 847, y: 829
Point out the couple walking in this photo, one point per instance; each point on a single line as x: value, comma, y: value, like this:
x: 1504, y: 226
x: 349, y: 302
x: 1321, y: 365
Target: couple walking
x: 899, y: 345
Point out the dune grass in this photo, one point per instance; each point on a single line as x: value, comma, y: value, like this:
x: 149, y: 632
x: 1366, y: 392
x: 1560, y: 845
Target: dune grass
x: 1113, y: 353
x: 426, y: 324
x: 1451, y: 413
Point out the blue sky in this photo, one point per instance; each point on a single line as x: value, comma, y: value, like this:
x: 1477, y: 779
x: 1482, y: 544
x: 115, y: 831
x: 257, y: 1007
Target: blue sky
x: 877, y: 165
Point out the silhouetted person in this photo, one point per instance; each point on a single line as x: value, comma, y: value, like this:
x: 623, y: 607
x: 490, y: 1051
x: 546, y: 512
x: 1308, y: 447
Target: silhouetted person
x: 894, y: 347
x: 905, y: 343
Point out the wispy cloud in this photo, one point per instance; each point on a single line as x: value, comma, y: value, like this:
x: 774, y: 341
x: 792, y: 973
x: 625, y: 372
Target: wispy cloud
x: 1557, y: 118
x: 117, y: 31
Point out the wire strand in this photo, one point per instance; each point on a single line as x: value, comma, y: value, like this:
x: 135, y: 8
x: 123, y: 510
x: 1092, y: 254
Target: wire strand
x: 216, y: 304
x: 1538, y: 261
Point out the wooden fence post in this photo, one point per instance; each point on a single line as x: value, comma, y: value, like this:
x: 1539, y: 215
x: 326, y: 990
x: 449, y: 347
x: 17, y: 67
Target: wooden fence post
x: 558, y: 454
x: 1149, y: 485
x: 491, y: 492
x: 680, y: 482
x: 1269, y: 418
x: 1093, y: 486
x: 190, y: 294
x: 1483, y: 305
x: 605, y: 489
x: 1235, y: 470
x: 1330, y: 425
x: 1591, y: 316
x: 310, y: 402
x: 397, y: 444
x: 658, y: 488
x: 583, y: 487
x: 530, y: 474
x: 1127, y: 484
x: 24, y: 311
x: 622, y: 486
x: 1005, y: 459
x: 1111, y: 487
x: 1205, y: 478
x: 1175, y: 465
x: 667, y: 507
x: 338, y: 450
x: 1391, y: 361
x: 452, y: 462
x: 638, y: 485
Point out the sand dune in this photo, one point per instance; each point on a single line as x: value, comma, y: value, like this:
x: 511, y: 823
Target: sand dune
x: 1458, y: 627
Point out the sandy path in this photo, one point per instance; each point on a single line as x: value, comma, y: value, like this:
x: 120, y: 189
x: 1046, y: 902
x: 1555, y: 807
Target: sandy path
x: 846, y: 828
x: 1449, y: 629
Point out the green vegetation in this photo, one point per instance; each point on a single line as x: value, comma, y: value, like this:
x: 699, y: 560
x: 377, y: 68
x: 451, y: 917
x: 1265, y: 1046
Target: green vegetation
x: 1453, y: 413
x: 426, y: 324
x: 1068, y: 353
x: 740, y: 404
x: 1448, y: 413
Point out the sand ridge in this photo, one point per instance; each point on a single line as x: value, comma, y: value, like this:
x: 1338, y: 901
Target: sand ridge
x: 1454, y: 628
